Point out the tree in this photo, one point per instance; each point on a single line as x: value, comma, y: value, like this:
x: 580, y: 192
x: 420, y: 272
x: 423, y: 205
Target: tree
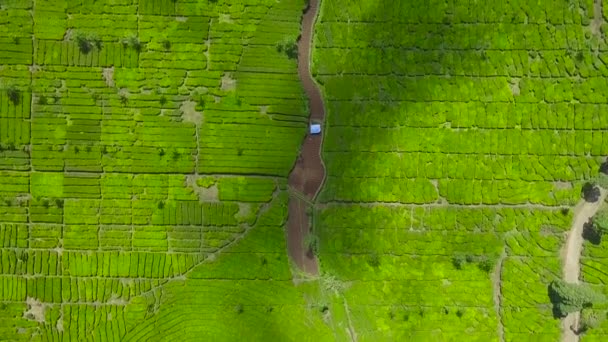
x: 591, y: 192
x: 567, y: 297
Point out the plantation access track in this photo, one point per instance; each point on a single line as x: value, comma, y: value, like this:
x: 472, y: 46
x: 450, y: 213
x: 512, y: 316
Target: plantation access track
x: 571, y: 259
x: 308, y: 174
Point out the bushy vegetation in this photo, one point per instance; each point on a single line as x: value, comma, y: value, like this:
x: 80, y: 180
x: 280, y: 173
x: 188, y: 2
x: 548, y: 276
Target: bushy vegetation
x: 87, y: 42
x: 289, y: 48
x: 568, y: 298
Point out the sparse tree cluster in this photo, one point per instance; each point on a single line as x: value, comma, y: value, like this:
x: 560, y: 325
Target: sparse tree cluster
x: 484, y: 263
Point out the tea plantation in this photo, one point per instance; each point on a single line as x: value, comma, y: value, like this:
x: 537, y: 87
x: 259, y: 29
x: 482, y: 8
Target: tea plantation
x: 144, y: 149
x: 459, y: 134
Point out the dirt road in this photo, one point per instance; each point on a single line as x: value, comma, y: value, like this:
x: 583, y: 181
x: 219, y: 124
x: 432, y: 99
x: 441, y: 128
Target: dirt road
x: 308, y: 174
x: 571, y: 255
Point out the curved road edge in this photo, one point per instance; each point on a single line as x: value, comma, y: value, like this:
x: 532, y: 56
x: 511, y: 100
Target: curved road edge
x: 308, y: 175
x: 571, y: 257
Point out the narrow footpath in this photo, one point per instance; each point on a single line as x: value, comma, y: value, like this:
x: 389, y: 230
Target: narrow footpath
x: 308, y: 174
x: 571, y: 256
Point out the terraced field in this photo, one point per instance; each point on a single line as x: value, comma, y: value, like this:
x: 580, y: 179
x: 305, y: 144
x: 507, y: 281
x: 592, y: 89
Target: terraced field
x: 154, y: 152
x: 145, y: 148
x: 458, y: 136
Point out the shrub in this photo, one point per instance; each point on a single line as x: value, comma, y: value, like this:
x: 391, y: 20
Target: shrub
x: 600, y: 180
x: 133, y: 42
x: 124, y: 100
x: 42, y: 100
x: 591, y: 192
x: 163, y: 100
x: 167, y: 44
x: 374, y: 260
x: 600, y: 222
x: 591, y: 234
x: 59, y: 203
x: 458, y: 261
x: 239, y: 309
x: 86, y: 43
x: 290, y: 48
x: 161, y: 205
x: 590, y: 319
x: 604, y: 167
x: 175, y: 155
x: 311, y: 242
x: 14, y: 95
x: 567, y: 297
x: 486, y: 264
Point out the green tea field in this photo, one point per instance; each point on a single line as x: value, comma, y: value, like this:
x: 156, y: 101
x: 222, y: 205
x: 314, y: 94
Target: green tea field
x: 145, y: 146
x: 458, y: 137
x: 158, y: 181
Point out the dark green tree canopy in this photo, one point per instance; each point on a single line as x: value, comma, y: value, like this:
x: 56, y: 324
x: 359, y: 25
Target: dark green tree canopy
x: 568, y: 297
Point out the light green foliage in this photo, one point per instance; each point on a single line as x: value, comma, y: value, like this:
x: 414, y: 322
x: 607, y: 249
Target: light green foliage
x: 206, y: 182
x: 109, y: 109
x: 601, y: 180
x: 246, y: 189
x: 600, y: 221
x: 46, y: 184
x: 567, y: 297
x: 591, y: 319
x: 455, y: 130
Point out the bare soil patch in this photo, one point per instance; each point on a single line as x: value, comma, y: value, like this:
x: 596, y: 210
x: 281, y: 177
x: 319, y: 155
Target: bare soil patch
x: 189, y: 113
x: 228, y: 83
x: 35, y: 311
x: 108, y: 76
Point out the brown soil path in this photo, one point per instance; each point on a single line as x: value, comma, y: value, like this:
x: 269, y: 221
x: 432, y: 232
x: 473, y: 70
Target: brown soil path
x: 308, y: 174
x: 571, y: 255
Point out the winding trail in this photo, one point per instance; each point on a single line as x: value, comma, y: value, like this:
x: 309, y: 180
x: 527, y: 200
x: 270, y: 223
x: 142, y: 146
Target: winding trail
x: 308, y: 174
x: 571, y: 255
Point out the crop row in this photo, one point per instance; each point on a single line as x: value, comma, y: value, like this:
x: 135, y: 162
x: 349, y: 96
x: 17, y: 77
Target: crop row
x: 506, y: 36
x: 480, y: 141
x: 516, y: 63
x: 442, y: 12
x: 525, y: 116
x: 68, y: 290
x: 455, y: 191
x: 67, y: 53
x: 465, y: 89
x: 463, y: 166
x: 101, y: 264
x: 342, y: 217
